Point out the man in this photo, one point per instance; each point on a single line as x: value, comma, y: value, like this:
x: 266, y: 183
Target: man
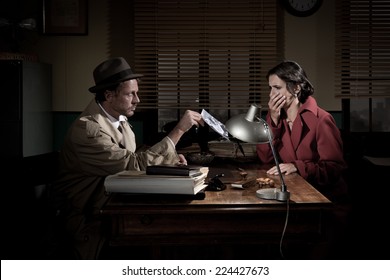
x: 101, y: 142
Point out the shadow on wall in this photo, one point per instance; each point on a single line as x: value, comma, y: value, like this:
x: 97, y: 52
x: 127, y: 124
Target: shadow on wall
x: 369, y: 193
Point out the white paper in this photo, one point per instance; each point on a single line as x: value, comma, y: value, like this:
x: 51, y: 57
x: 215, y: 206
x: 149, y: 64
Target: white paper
x: 383, y: 161
x: 139, y: 182
x: 215, y: 124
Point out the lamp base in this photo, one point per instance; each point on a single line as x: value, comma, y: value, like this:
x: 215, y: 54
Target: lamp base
x: 273, y: 193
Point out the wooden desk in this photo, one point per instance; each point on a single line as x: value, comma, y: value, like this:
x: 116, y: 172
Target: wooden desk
x: 221, y: 224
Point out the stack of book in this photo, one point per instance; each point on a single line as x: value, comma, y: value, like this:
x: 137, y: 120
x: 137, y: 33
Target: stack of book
x: 162, y: 179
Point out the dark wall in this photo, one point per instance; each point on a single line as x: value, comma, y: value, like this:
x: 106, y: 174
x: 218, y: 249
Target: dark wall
x: 13, y: 38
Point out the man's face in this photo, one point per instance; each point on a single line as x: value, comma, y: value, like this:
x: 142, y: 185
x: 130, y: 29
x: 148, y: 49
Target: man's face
x: 125, y: 99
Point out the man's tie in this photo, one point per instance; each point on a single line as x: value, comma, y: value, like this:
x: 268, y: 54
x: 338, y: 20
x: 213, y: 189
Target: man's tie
x: 120, y: 127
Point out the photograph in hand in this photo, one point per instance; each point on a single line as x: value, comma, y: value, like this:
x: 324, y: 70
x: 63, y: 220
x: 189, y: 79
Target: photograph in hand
x: 215, y: 124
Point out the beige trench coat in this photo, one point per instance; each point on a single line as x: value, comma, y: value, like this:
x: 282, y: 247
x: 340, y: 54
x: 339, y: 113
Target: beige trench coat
x: 93, y: 149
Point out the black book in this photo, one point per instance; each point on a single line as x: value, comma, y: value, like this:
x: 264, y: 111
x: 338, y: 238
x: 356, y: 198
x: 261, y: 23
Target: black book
x: 176, y: 170
x: 137, y: 197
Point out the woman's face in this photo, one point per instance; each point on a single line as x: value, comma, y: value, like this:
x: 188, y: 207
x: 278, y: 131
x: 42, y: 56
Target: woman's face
x: 278, y: 86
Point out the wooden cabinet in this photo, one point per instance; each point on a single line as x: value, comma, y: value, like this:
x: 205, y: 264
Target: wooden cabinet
x: 26, y: 123
x: 26, y: 116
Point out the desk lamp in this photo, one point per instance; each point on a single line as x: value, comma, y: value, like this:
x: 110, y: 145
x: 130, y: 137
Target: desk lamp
x: 251, y: 128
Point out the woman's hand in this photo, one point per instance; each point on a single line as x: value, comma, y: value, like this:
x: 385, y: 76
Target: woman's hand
x: 275, y: 104
x: 286, y: 168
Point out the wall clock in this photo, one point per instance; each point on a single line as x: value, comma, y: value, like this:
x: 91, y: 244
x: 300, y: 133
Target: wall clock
x: 301, y: 8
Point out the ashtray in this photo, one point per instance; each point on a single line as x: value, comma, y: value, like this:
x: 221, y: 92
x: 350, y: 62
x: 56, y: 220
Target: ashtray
x: 200, y: 158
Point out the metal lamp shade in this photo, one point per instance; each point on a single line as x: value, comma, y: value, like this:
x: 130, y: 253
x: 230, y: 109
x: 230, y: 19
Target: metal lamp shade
x: 249, y: 127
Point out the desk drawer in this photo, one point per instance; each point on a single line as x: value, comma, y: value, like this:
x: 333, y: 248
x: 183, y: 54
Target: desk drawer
x: 173, y: 228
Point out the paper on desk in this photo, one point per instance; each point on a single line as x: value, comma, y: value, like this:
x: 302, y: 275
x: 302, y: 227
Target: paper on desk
x: 215, y: 124
x: 383, y: 161
x: 245, y: 183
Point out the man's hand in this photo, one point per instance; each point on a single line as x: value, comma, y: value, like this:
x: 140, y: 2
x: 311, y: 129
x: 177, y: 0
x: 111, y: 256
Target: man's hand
x: 182, y: 159
x: 189, y: 119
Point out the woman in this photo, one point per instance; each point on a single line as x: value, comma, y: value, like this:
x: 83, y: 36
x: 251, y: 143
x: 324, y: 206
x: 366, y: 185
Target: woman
x: 309, y: 143
x: 305, y: 136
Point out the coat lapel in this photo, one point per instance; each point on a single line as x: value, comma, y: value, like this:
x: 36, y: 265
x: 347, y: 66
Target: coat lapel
x: 296, y: 133
x: 128, y: 137
x: 289, y: 145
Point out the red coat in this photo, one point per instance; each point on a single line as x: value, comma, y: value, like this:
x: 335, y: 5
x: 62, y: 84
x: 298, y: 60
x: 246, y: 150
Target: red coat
x: 314, y: 146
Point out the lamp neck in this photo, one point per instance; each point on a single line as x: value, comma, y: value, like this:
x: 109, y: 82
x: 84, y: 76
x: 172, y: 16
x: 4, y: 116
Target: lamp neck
x: 283, y: 184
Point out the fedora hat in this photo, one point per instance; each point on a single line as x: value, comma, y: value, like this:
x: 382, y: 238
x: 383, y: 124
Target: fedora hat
x: 112, y: 72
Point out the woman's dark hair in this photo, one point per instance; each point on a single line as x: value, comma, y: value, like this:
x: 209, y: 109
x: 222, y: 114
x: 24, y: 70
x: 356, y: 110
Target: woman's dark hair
x: 293, y: 74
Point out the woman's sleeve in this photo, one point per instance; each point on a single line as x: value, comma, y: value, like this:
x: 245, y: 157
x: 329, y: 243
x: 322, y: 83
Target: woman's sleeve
x: 330, y: 164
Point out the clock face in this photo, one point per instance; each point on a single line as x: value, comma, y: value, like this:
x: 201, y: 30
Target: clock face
x: 301, y: 8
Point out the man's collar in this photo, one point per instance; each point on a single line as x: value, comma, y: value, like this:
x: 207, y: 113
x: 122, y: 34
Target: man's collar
x: 111, y: 118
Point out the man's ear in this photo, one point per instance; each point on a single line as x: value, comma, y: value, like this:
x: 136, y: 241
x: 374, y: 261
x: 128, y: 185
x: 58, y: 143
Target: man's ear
x: 108, y: 94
